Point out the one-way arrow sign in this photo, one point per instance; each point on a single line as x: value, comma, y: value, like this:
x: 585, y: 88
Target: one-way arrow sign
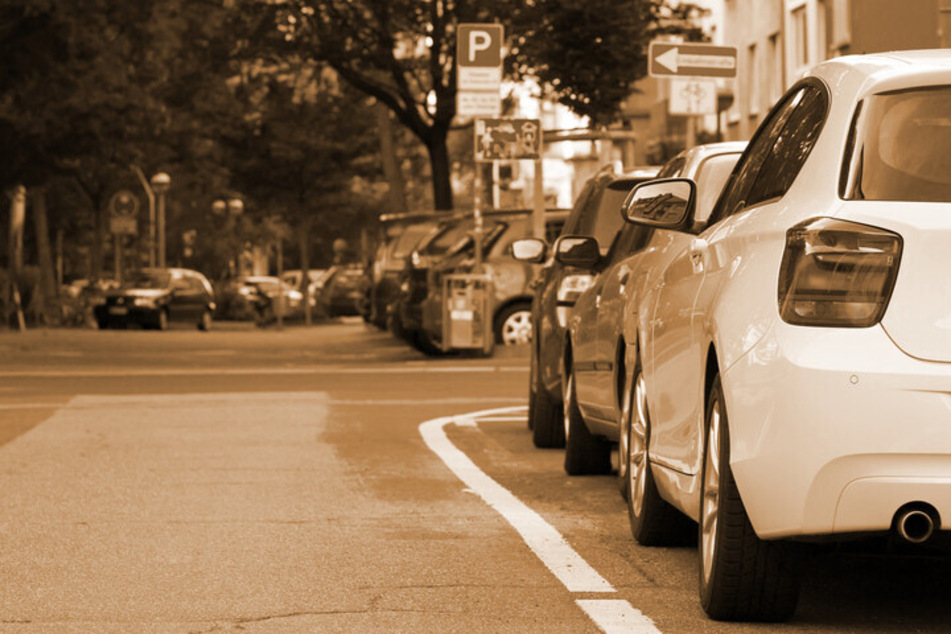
x: 672, y: 59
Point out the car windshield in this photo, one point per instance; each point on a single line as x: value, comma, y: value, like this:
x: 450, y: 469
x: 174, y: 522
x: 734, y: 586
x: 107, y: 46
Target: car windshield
x: 149, y: 279
x: 409, y: 238
x: 899, y: 147
x: 444, y: 239
x: 605, y: 223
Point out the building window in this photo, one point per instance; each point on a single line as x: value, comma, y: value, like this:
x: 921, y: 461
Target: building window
x: 774, y: 67
x: 799, y: 34
x: 752, y: 78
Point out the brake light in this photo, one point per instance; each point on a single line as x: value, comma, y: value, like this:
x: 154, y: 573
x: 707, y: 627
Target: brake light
x: 837, y: 273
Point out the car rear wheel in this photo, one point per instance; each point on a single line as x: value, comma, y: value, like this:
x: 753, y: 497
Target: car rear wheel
x: 206, y: 320
x: 585, y: 453
x: 742, y: 578
x: 161, y: 320
x: 513, y: 325
x: 544, y: 412
x: 654, y: 522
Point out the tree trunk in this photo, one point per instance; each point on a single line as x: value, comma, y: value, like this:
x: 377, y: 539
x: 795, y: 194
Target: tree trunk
x: 441, y: 169
x: 304, y: 244
x: 49, y: 304
x: 391, y: 162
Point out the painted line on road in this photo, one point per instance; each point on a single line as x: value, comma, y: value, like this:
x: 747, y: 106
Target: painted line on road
x: 303, y: 370
x: 576, y: 574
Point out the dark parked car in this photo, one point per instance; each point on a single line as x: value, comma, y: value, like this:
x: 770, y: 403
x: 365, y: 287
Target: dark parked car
x: 406, y: 313
x: 511, y: 301
x: 155, y: 298
x: 596, y: 213
x: 344, y: 292
x: 400, y: 234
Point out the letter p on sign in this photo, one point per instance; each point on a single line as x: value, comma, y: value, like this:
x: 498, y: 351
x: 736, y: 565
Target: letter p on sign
x: 479, y: 45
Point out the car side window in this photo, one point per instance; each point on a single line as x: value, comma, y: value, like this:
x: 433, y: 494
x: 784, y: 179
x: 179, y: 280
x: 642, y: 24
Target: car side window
x: 737, y: 189
x: 791, y: 147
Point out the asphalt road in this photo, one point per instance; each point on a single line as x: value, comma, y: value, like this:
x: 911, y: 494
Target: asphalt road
x: 330, y: 479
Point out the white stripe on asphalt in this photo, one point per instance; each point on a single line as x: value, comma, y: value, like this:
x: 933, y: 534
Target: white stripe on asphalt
x: 576, y: 574
x: 314, y: 370
x: 573, y: 571
x: 615, y: 616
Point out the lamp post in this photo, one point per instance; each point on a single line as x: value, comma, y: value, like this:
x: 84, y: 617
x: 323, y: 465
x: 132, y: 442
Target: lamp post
x: 231, y: 209
x: 160, y: 185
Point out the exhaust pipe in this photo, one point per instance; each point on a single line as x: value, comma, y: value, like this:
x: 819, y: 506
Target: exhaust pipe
x: 914, y: 525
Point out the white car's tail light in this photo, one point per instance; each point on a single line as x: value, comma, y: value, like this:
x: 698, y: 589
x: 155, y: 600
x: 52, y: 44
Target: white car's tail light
x: 837, y: 273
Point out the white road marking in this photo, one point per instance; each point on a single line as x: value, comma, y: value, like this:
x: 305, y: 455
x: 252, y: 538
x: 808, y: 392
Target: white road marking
x: 546, y: 542
x: 613, y: 616
x: 301, y: 370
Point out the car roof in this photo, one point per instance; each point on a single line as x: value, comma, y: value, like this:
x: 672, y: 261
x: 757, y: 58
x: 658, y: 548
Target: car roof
x: 880, y: 72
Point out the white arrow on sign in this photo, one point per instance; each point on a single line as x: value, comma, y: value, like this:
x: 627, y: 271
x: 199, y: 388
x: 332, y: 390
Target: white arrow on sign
x: 672, y: 60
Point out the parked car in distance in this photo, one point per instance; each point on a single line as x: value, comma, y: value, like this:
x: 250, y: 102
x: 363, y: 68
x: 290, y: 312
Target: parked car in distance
x: 405, y: 317
x: 596, y: 212
x: 598, y: 361
x: 512, y: 296
x: 236, y: 297
x: 315, y: 278
x: 344, y: 291
x: 796, y: 357
x: 156, y: 298
x: 400, y: 235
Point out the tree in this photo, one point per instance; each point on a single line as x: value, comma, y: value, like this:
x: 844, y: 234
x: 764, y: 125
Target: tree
x: 308, y: 151
x: 402, y: 52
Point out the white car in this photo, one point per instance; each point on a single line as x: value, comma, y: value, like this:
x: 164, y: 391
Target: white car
x: 796, y: 353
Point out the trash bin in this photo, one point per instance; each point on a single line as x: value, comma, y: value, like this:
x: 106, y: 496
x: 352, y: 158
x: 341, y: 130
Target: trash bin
x: 467, y: 314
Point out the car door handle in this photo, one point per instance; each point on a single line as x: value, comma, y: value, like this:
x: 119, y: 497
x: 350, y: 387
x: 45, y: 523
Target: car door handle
x: 625, y: 278
x: 698, y: 254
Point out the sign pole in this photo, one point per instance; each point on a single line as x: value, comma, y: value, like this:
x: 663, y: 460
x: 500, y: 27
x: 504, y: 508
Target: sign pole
x: 477, y: 217
x: 538, y: 207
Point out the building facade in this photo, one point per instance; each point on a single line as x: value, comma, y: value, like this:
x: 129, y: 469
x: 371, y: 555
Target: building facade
x: 777, y: 41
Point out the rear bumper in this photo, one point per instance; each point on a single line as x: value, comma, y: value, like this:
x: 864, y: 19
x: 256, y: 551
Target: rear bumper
x: 833, y: 430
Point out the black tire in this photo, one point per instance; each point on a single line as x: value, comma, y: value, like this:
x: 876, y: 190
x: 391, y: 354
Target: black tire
x: 654, y: 522
x: 513, y: 324
x: 161, y: 320
x: 102, y: 324
x: 421, y: 341
x: 585, y: 454
x: 544, y: 413
x: 206, y: 320
x: 742, y: 578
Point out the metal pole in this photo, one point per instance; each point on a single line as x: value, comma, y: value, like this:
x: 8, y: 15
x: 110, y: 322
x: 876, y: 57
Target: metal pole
x: 280, y: 284
x: 477, y: 217
x: 161, y: 229
x: 538, y: 207
x: 151, y: 196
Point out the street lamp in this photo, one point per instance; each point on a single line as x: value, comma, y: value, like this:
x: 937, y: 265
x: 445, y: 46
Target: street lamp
x: 160, y: 185
x: 231, y: 208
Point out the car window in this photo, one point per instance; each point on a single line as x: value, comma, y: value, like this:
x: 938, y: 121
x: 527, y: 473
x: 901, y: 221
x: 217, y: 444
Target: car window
x: 631, y: 239
x: 791, y: 147
x: 673, y: 167
x: 711, y: 175
x: 578, y: 210
x: 898, y: 147
x: 741, y: 180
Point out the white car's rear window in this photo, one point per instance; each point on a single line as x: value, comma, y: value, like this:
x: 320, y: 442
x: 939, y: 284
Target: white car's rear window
x: 900, y: 147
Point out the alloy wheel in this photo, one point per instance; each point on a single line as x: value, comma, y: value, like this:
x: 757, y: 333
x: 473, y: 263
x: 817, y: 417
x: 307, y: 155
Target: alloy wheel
x: 637, y: 445
x: 711, y: 494
x: 517, y: 328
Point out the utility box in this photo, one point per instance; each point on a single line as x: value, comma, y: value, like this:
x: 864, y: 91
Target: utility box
x: 467, y: 313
